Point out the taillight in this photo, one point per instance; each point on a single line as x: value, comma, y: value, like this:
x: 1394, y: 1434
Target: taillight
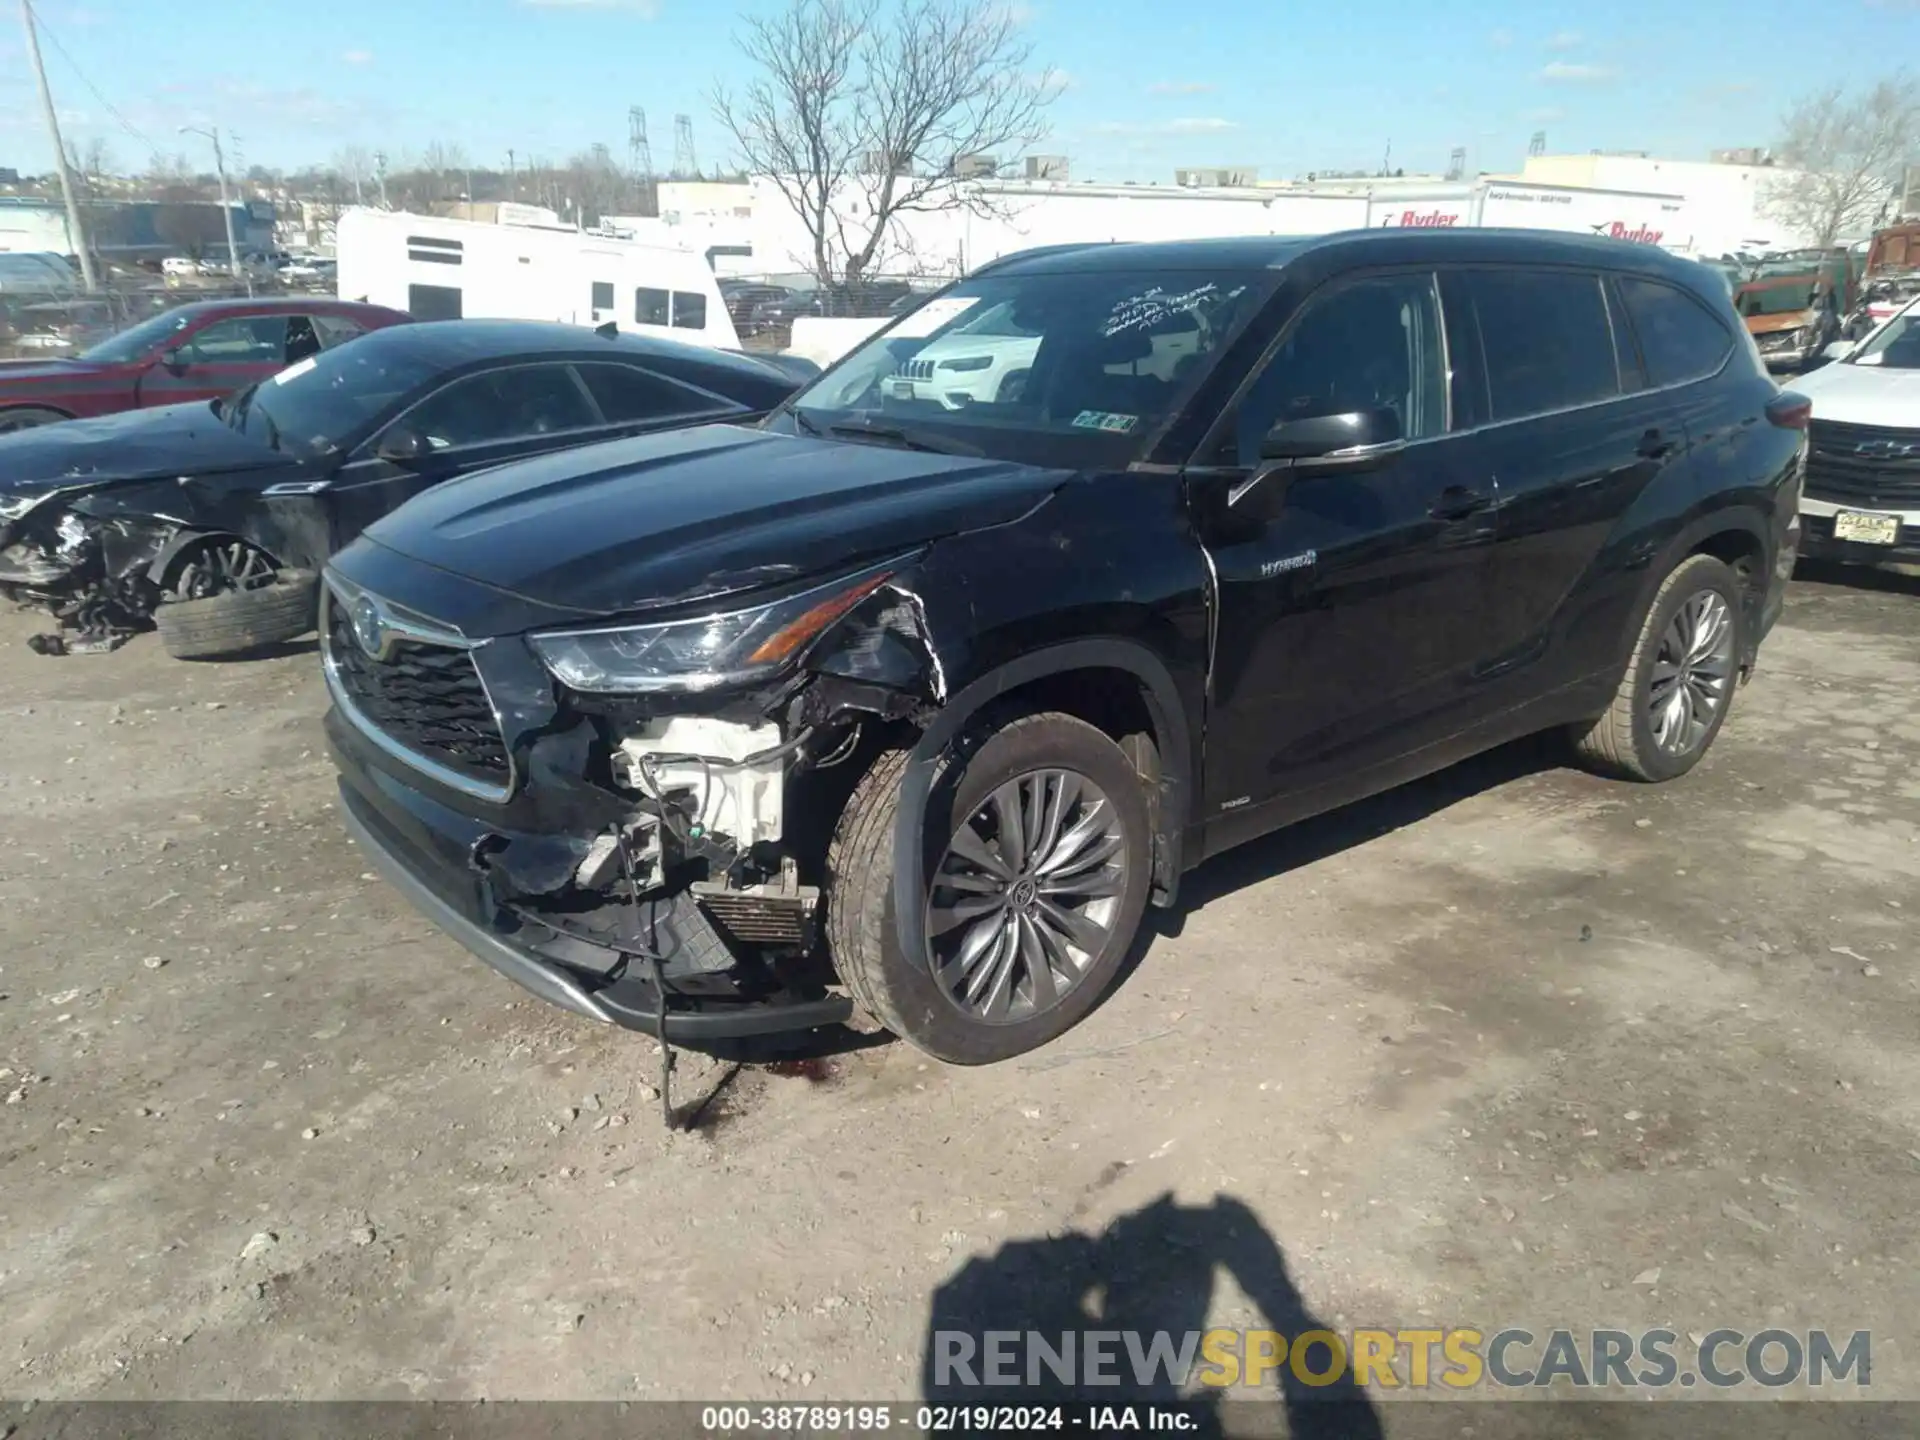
x: 1790, y: 411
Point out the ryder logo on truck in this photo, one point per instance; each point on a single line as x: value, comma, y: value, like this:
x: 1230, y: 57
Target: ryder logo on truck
x: 1431, y: 219
x: 1639, y: 234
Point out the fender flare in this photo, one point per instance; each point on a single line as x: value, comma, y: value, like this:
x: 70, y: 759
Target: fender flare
x: 177, y: 544
x: 1683, y: 542
x: 916, y: 781
x: 185, y: 539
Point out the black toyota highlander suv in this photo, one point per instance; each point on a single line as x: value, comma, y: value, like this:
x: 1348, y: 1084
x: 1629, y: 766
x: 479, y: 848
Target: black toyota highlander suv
x: 905, y: 702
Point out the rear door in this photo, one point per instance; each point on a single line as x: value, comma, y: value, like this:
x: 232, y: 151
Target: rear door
x: 218, y: 358
x: 1571, y: 439
x: 633, y: 400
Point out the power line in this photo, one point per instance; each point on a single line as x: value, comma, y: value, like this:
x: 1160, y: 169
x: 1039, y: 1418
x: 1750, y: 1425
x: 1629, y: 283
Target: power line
x: 106, y: 104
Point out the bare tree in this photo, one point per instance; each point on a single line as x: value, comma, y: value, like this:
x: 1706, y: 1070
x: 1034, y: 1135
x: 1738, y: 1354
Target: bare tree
x: 1849, y: 152
x: 186, y: 224
x: 861, y: 107
x: 599, y: 189
x: 354, y: 166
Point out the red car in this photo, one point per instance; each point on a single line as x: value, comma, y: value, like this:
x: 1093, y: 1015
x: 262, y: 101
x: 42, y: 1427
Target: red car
x: 192, y: 352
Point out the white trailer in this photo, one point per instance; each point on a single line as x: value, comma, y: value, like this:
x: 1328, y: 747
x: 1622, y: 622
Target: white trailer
x: 1638, y: 216
x: 437, y: 269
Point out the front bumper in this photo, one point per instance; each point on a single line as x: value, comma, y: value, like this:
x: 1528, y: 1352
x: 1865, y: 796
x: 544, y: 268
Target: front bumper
x: 1817, y: 542
x: 423, y: 848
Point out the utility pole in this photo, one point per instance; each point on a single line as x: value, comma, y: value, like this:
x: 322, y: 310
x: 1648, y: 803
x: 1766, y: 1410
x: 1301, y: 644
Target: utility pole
x: 76, y: 233
x: 226, y: 206
x: 380, y: 170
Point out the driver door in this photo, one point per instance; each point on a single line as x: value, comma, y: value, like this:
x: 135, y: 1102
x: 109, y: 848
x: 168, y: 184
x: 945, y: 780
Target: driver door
x: 467, y: 424
x: 1350, y: 601
x: 218, y: 358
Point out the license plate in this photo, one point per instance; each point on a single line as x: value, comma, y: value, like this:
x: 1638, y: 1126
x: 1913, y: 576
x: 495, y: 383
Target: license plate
x: 900, y: 389
x: 1866, y: 528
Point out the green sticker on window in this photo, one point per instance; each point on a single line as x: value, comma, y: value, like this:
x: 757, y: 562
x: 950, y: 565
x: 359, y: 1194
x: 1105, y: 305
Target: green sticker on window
x: 1105, y: 420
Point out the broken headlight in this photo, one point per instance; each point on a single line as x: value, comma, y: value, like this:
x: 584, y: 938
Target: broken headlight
x: 705, y: 652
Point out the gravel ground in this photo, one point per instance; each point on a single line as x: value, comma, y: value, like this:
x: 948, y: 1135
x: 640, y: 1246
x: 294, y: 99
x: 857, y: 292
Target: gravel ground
x: 1513, y: 1046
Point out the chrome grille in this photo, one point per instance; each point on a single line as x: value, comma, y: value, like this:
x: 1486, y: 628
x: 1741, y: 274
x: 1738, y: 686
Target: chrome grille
x: 1874, y: 463
x: 916, y: 370
x: 427, y: 699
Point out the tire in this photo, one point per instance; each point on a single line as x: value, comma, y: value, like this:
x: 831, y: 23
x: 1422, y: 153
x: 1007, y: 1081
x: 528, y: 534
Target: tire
x: 239, y: 620
x: 905, y: 995
x: 28, y: 417
x: 1623, y: 742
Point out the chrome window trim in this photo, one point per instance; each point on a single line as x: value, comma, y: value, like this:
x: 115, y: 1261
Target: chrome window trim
x: 411, y: 626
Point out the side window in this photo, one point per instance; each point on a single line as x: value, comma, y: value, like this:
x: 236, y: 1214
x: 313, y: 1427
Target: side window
x: 1467, y: 373
x: 1368, y: 344
x: 1546, y: 338
x: 433, y: 302
x: 1626, y: 350
x: 1680, y: 337
x: 244, y: 340
x: 689, y: 311
x: 625, y: 392
x: 650, y: 306
x: 603, y: 294
x: 502, y: 405
x: 336, y: 329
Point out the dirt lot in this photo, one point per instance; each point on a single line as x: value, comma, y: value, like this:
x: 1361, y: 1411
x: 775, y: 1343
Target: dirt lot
x: 1514, y: 1046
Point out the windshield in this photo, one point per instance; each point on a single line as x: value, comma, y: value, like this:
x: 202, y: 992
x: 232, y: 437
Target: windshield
x: 1093, y: 354
x: 325, y: 404
x: 1895, y: 345
x: 1776, y: 300
x: 140, y: 341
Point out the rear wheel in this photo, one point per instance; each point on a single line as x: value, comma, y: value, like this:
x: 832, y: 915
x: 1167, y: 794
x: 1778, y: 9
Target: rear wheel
x: 26, y: 417
x: 1036, y: 850
x: 1679, y: 684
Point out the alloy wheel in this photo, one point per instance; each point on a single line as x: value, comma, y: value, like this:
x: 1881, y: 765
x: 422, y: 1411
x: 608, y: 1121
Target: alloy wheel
x: 1025, y: 898
x: 218, y: 568
x: 1692, y: 673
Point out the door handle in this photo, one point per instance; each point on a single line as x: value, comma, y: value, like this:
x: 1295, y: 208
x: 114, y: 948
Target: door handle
x: 1456, y: 502
x: 1654, y: 446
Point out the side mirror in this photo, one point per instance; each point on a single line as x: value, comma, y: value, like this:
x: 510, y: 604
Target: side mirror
x: 1352, y: 437
x: 173, y: 360
x: 1839, y: 350
x: 402, y: 445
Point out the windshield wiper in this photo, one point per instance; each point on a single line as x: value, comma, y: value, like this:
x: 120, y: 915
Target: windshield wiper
x: 800, y: 419
x: 911, y: 439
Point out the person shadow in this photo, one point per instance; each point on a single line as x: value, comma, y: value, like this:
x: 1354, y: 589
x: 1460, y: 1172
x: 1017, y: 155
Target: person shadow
x: 1154, y: 1269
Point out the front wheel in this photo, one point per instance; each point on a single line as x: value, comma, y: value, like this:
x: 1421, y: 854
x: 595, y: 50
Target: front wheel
x: 29, y: 417
x: 1037, y: 851
x: 1679, y: 683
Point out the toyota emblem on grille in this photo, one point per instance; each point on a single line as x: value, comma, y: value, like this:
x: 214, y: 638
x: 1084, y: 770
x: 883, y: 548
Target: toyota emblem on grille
x: 369, y: 626
x: 1886, y: 449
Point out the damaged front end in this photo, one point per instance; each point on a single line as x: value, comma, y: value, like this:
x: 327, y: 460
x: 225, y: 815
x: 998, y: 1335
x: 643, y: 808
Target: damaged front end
x: 630, y: 821
x: 91, y: 574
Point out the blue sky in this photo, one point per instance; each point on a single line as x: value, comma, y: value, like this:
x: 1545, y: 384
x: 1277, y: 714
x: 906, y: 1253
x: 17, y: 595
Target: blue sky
x: 1151, y: 84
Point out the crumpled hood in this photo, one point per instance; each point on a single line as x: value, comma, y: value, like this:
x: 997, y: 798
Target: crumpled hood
x: 689, y: 514
x: 1863, y: 395
x: 134, y: 445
